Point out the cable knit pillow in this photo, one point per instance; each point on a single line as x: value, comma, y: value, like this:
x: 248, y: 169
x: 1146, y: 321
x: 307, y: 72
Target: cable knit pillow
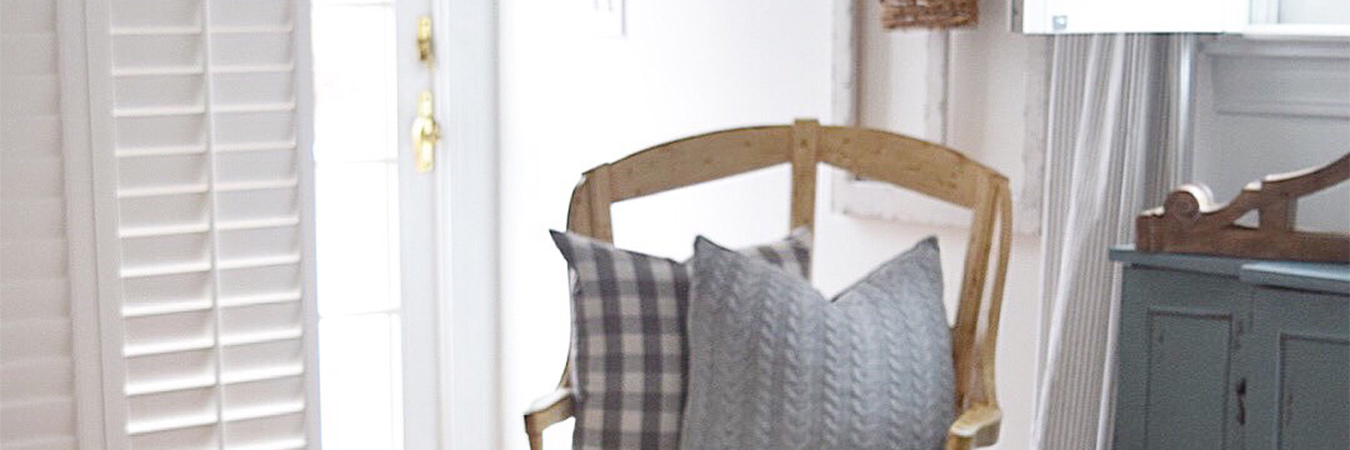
x: 628, y: 356
x: 774, y: 365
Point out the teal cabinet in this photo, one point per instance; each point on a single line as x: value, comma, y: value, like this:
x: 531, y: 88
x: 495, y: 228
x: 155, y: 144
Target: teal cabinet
x: 1302, y: 381
x: 1223, y: 353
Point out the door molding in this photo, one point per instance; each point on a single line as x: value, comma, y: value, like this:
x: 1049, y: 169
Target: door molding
x: 468, y: 236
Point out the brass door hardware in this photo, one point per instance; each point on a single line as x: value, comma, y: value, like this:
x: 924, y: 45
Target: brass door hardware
x: 425, y: 133
x: 424, y: 51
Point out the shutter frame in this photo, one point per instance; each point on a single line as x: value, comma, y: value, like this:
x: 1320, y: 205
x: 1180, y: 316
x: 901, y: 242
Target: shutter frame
x: 201, y: 130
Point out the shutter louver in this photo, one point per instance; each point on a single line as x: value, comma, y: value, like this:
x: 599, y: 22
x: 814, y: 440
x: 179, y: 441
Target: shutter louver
x: 211, y: 225
x: 37, y: 406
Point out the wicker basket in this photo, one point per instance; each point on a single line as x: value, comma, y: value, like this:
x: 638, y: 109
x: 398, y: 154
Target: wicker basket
x: 929, y: 13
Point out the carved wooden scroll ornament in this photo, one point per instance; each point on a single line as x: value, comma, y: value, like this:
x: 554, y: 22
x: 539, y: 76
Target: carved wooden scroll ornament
x: 1190, y: 222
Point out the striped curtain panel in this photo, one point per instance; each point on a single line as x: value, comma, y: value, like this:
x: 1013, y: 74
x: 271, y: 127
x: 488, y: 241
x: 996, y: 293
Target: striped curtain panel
x: 1111, y: 130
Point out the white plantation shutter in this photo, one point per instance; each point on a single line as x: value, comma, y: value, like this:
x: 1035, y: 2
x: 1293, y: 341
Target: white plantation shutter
x: 37, y: 367
x: 200, y: 129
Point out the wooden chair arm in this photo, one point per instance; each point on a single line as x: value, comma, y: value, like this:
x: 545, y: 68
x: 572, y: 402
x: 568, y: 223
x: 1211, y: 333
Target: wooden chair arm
x: 546, y: 411
x: 977, y: 427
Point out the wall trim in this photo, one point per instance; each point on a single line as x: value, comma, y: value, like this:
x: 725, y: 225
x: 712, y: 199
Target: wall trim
x: 1267, y: 90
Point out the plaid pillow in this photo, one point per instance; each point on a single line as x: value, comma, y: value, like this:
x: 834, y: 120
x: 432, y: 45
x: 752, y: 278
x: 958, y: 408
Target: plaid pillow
x: 629, y: 358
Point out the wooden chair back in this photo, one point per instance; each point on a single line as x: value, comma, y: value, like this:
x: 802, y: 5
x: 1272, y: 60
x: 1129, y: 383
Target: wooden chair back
x: 927, y: 168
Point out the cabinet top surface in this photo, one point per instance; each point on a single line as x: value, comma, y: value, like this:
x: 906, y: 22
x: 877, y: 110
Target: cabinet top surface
x: 1325, y: 277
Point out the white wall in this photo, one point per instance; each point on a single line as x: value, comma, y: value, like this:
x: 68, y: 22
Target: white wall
x: 1265, y: 107
x: 570, y: 101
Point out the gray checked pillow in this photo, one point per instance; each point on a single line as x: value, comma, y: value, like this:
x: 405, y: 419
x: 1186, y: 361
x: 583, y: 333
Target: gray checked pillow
x: 628, y: 357
x: 774, y: 365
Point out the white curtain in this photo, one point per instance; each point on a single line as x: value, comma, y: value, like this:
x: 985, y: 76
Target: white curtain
x: 1110, y: 134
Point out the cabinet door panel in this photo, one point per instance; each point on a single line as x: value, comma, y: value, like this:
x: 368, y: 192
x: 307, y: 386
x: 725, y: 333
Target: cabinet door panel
x: 1188, y: 369
x: 1300, y: 387
x: 1178, y: 339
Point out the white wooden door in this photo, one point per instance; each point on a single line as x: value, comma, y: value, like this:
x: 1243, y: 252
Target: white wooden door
x: 376, y: 222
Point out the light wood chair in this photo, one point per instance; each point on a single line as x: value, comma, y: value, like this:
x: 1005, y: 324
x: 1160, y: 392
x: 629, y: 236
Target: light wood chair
x: 930, y: 169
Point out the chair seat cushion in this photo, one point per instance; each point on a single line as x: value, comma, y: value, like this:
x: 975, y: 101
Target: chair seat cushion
x: 775, y: 365
x: 629, y: 359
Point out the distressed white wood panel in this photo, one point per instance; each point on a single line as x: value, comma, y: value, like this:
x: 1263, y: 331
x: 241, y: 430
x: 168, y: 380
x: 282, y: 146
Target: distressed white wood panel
x: 991, y: 109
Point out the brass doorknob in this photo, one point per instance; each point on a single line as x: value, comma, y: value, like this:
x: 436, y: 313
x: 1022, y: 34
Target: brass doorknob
x: 425, y: 133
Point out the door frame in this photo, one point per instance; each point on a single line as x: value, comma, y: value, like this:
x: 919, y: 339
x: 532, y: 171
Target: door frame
x: 468, y: 236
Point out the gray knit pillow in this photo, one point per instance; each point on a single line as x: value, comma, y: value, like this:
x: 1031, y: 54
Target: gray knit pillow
x: 629, y: 360
x: 774, y: 365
